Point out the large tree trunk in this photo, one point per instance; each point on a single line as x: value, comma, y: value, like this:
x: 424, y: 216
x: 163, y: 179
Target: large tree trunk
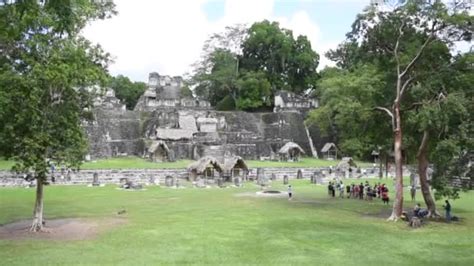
x: 38, y: 211
x: 398, y: 201
x: 422, y: 157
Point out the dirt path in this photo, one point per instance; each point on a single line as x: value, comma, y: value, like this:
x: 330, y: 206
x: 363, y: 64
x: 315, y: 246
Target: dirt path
x: 70, y: 229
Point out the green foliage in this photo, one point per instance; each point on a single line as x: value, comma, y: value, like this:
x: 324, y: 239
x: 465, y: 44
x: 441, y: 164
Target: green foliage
x: 288, y: 64
x: 254, y: 91
x: 216, y: 77
x: 408, y: 46
x: 234, y: 60
x: 186, y: 92
x: 226, y: 104
x: 126, y: 90
x: 45, y: 70
x: 347, y: 99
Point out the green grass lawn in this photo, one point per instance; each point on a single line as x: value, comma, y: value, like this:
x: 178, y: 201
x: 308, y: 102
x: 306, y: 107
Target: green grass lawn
x: 218, y: 227
x: 139, y: 163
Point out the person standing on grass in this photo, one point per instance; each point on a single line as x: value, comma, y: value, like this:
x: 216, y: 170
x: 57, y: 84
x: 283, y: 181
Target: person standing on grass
x: 341, y: 189
x: 413, y: 192
x: 348, y: 191
x: 447, y: 207
x: 290, y: 192
x: 361, y: 191
x: 379, y: 190
x: 385, y: 197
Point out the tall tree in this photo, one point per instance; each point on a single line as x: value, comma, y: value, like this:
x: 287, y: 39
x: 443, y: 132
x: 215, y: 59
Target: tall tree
x: 232, y: 60
x: 288, y: 64
x: 220, y: 80
x: 45, y: 68
x: 126, y: 90
x: 453, y: 151
x: 399, y: 39
x: 215, y: 75
x: 345, y: 113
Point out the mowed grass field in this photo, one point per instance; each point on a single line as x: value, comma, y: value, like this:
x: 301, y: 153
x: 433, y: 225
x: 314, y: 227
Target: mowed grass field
x: 140, y: 163
x: 231, y: 227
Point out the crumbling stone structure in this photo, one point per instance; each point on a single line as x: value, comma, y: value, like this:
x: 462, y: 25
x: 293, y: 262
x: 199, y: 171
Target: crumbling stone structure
x: 166, y: 92
x: 190, y: 129
x: 288, y: 101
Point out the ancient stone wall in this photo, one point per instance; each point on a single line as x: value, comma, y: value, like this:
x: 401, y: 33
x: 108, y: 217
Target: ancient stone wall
x: 114, y: 133
x: 191, y: 129
x: 143, y: 176
x: 190, y: 134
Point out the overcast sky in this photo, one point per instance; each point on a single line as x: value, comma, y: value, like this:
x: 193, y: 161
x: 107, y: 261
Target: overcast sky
x: 167, y: 36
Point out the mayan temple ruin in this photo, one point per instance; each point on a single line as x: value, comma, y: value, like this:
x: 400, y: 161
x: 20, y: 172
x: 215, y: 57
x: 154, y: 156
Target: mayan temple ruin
x: 165, y: 126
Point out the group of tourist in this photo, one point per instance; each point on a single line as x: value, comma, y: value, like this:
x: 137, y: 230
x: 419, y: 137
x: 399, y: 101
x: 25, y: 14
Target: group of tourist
x: 359, y: 191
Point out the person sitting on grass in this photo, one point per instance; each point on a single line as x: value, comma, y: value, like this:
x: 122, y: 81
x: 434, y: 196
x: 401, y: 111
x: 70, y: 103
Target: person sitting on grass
x: 419, y: 212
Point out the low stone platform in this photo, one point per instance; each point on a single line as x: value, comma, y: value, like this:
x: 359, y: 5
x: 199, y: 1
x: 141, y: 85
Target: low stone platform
x: 158, y: 176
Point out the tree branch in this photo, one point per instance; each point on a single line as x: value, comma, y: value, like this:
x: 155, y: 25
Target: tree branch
x: 397, y: 44
x: 413, y: 105
x: 385, y: 110
x: 406, y: 84
x: 420, y: 51
x: 388, y: 112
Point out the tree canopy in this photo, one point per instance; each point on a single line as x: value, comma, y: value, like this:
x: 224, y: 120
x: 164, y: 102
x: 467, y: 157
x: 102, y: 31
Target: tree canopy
x: 46, y: 67
x: 407, y: 50
x: 127, y: 91
x: 247, y: 66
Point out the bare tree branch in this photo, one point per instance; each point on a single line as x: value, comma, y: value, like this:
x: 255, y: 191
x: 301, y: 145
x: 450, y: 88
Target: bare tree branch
x: 413, y: 105
x: 385, y: 110
x: 397, y: 44
x: 406, y: 84
x: 420, y: 51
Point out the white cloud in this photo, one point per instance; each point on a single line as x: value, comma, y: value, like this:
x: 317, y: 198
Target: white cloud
x: 167, y: 36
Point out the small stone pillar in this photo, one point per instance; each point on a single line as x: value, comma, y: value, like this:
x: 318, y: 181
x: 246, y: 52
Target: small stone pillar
x: 273, y: 177
x: 220, y: 182
x: 260, y: 176
x: 237, y: 182
x: 285, y: 180
x: 169, y: 182
x: 95, y: 179
x: 68, y: 175
x: 299, y: 174
x: 152, y: 180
